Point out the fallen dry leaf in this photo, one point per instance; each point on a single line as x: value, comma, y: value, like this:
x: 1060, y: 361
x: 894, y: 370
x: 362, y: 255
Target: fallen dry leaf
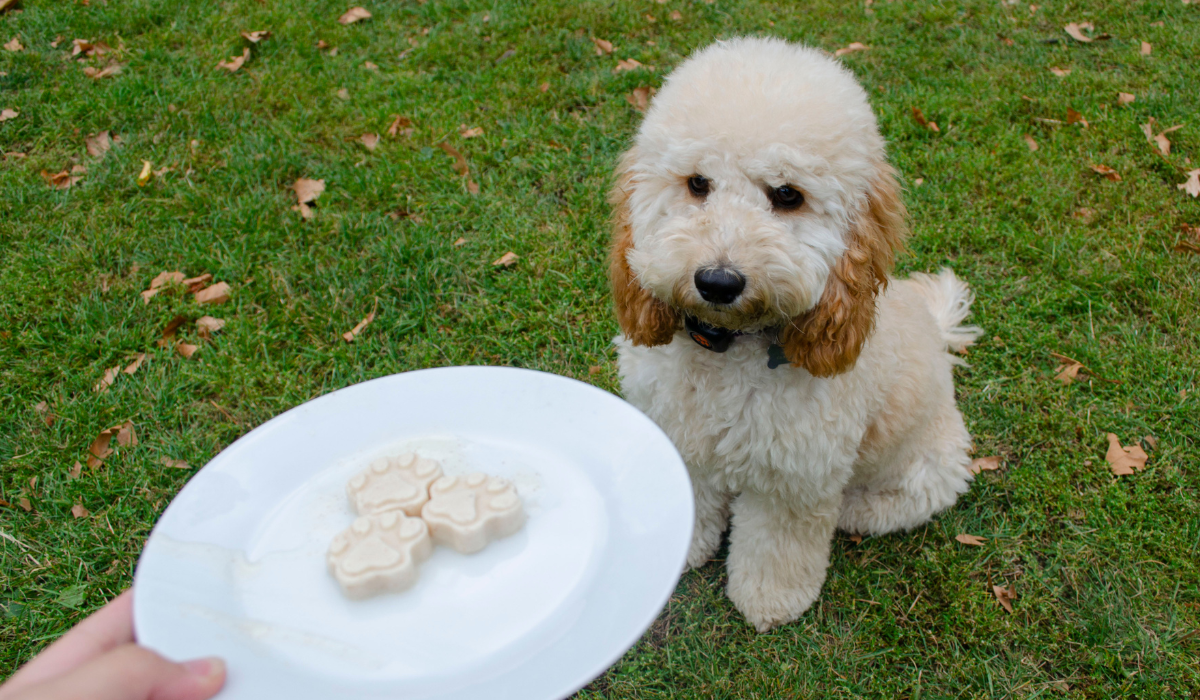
x: 25, y: 504
x: 985, y: 464
x: 1005, y: 597
x: 43, y: 410
x: 1074, y: 117
x: 919, y: 117
x: 602, y: 47
x: 89, y: 48
x: 110, y: 376
x: 235, y: 63
x: 1060, y: 72
x: 1192, y: 184
x: 1106, y: 172
x: 544, y: 87
x: 79, y: 511
x: 472, y: 186
x: 627, y: 64
x: 1124, y: 460
x: 460, y: 162
x: 354, y: 14
x: 8, y: 4
x: 351, y: 334
x: 971, y: 540
x: 1076, y: 31
x: 1146, y: 48
x: 6, y: 114
x: 195, y: 284
x: 98, y: 144
x: 1124, y: 98
x: 676, y: 15
x: 62, y: 180
x: 14, y: 45
x: 1160, y: 141
x: 133, y: 367
x: 161, y: 280
x: 343, y: 94
x: 369, y: 140
x: 368, y: 65
x: 146, y: 175
x: 174, y: 463
x: 640, y: 97
x: 460, y: 242
x: 919, y: 181
x: 168, y: 332
x: 1033, y: 145
x: 471, y: 133
x: 1067, y: 373
x: 851, y: 48
x: 255, y: 37
x: 186, y: 350
x: 307, y: 192
x: 207, y: 325
x: 400, y: 125
x: 507, y: 260
x: 75, y: 471
x: 216, y: 294
x: 97, y: 74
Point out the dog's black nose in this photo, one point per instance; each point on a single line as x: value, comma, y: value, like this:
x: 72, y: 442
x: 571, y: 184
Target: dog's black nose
x: 719, y: 285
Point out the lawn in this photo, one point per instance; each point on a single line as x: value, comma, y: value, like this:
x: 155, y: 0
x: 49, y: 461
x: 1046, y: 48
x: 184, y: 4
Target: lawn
x: 1064, y: 261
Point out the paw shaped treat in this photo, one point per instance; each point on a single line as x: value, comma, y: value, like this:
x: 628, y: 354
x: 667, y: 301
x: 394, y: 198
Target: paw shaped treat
x: 466, y: 512
x: 398, y: 483
x: 379, y: 554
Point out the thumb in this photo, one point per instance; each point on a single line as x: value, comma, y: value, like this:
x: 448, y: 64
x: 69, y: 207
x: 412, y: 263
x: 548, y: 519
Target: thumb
x: 131, y: 672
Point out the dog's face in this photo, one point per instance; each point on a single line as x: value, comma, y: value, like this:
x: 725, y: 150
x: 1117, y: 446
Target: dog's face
x: 756, y: 196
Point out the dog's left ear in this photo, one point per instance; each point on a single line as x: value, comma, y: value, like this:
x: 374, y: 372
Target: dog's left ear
x: 827, y: 339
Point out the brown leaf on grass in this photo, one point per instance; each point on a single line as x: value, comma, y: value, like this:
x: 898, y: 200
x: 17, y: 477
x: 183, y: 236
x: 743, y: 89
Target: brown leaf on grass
x: 470, y: 133
x: 400, y: 125
x: 507, y: 260
x: 43, y: 410
x: 1124, y: 98
x: 110, y: 376
x: 100, y: 448
x: 1076, y: 31
x: 1060, y: 72
x: 472, y: 186
x: 544, y: 87
x: 307, y: 192
x: 25, y: 504
x: 89, y: 48
x: 125, y: 435
x: 343, y: 94
x: 368, y: 65
x: 460, y: 243
x: 174, y: 463
x: 1160, y: 141
x: 1074, y: 117
x: 985, y: 464
x: 255, y: 37
x: 79, y: 511
x: 1146, y: 48
x: 235, y: 63
x: 460, y: 162
x: 1033, y: 145
x: 186, y: 350
x: 351, y: 334
x: 99, y: 73
x: 1192, y: 184
x: 195, y: 284
x: 602, y: 47
x: 146, y: 174
x: 1005, y: 597
x: 160, y: 281
x: 62, y: 180
x: 971, y: 540
x: 1106, y: 172
x: 6, y: 5
x: 134, y: 366
x: 1005, y: 40
x: 14, y: 45
x: 75, y: 471
x: 369, y: 140
x: 856, y: 538
x: 354, y: 14
x: 594, y: 370
x: 1124, y: 460
x: 640, y: 97
x: 216, y: 294
x: 6, y: 114
x: 676, y: 15
x: 919, y: 117
x: 1067, y: 373
x: 167, y: 338
x: 1151, y: 441
x: 627, y: 64
x: 207, y: 325
x: 851, y: 48
x: 98, y: 144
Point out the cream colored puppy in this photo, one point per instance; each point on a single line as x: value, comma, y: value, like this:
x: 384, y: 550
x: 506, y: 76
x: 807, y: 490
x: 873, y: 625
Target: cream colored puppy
x: 756, y: 221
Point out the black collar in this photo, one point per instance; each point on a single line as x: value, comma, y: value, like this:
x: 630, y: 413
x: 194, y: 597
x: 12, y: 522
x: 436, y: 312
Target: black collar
x: 719, y: 339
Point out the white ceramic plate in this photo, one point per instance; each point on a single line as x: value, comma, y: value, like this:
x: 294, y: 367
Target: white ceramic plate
x: 236, y: 565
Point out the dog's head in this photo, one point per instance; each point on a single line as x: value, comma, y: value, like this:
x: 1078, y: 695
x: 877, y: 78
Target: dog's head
x: 757, y: 195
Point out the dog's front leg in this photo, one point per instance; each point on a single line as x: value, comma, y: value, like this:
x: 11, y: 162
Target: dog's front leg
x: 712, y: 515
x: 778, y: 555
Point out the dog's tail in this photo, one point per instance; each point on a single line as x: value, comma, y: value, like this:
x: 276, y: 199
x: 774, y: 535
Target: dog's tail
x: 949, y: 300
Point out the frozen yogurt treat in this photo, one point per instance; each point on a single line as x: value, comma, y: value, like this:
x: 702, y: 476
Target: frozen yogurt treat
x: 379, y: 554
x: 396, y: 483
x: 466, y: 512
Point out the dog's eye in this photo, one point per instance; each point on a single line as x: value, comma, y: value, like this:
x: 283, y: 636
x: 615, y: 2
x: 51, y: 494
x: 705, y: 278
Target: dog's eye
x: 786, y: 197
x: 698, y: 186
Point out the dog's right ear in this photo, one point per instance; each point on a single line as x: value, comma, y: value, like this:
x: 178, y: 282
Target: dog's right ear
x: 643, y: 319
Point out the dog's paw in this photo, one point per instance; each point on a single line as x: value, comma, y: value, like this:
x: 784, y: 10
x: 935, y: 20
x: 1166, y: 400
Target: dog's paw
x: 766, y: 606
x: 466, y: 512
x: 398, y: 483
x: 379, y: 554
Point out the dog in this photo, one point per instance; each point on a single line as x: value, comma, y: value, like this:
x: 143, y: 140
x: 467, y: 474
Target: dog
x: 756, y: 220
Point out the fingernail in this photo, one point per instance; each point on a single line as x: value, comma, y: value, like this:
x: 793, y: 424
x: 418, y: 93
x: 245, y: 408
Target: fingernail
x: 205, y: 668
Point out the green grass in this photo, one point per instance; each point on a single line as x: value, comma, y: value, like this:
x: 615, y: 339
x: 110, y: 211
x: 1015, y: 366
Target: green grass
x: 1105, y: 569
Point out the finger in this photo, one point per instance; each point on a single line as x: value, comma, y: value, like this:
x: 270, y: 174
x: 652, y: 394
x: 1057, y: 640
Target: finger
x: 106, y: 629
x: 131, y: 672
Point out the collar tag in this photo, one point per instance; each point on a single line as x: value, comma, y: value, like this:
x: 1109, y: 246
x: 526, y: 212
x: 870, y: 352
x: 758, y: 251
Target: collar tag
x: 776, y: 356
x: 709, y: 337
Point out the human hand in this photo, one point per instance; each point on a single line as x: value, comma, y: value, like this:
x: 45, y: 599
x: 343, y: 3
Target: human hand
x: 98, y: 660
